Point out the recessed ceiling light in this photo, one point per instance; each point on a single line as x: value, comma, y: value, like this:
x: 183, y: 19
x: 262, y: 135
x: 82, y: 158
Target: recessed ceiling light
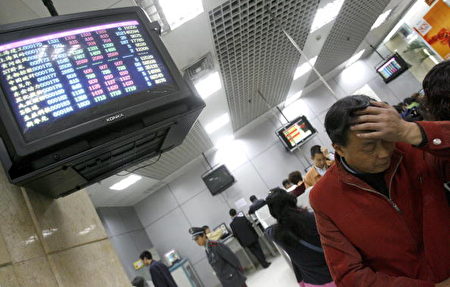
x: 354, y: 58
x: 126, y: 182
x: 304, y: 68
x: 208, y: 85
x: 178, y: 12
x: 326, y: 14
x: 217, y: 123
x: 380, y: 20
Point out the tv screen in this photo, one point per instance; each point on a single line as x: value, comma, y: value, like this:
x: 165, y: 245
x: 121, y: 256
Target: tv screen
x: 296, y: 133
x: 218, y: 179
x: 392, y: 68
x: 60, y: 76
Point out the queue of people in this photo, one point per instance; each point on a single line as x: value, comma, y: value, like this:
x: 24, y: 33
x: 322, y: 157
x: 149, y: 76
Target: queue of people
x: 374, y: 213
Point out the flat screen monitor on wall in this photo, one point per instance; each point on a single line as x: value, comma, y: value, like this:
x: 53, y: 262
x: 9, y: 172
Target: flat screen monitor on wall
x: 296, y: 133
x: 391, y: 68
x: 218, y: 179
x: 98, y: 77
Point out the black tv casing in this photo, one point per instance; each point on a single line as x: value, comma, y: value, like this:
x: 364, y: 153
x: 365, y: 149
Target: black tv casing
x: 71, y: 159
x: 404, y: 67
x: 286, y: 144
x: 218, y: 179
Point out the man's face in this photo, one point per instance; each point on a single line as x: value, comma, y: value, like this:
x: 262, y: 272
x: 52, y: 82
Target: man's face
x: 319, y: 160
x: 366, y: 156
x: 200, y: 240
x: 146, y: 261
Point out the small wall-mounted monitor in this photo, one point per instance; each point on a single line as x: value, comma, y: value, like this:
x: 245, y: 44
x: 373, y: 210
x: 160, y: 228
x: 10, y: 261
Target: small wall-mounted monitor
x: 391, y: 68
x: 218, y: 179
x: 296, y: 133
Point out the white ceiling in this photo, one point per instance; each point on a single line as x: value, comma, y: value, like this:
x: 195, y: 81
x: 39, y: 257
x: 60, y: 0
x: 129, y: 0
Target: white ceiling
x: 189, y: 42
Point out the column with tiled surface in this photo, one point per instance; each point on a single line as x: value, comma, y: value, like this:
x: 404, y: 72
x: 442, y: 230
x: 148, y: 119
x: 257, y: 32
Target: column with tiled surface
x: 53, y: 243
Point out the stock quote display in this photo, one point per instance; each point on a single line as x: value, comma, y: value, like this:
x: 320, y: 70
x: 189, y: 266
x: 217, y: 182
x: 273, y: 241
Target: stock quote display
x: 51, y: 76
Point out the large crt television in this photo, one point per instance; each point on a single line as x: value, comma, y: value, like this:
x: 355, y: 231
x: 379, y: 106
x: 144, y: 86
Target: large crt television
x: 86, y: 95
x: 218, y: 179
x: 296, y: 133
x: 392, y: 67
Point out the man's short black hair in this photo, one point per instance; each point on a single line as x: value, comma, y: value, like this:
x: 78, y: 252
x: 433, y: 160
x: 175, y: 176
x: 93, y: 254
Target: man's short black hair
x: 146, y: 254
x: 436, y: 86
x: 339, y: 117
x: 253, y: 198
x: 295, y: 177
x: 286, y: 182
x: 315, y: 149
x: 204, y: 227
x: 233, y: 212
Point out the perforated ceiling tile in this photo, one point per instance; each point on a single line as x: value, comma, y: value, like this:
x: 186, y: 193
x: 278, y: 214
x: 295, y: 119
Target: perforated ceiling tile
x: 350, y: 28
x: 196, y: 142
x: 254, y: 54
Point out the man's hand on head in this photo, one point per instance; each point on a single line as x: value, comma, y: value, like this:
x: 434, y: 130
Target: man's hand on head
x: 380, y: 121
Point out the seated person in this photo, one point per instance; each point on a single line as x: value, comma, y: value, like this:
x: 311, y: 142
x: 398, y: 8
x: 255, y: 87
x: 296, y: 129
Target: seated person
x: 256, y: 204
x: 381, y: 210
x: 319, y: 168
x: 296, y: 179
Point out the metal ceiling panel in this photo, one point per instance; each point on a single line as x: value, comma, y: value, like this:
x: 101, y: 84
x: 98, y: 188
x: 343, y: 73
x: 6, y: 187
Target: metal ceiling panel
x: 196, y: 142
x: 254, y: 54
x: 350, y: 28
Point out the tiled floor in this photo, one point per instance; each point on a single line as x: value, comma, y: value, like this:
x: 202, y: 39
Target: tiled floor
x: 279, y: 274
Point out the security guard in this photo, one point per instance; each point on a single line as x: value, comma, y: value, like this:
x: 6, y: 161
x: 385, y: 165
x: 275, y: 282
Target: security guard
x: 225, y: 264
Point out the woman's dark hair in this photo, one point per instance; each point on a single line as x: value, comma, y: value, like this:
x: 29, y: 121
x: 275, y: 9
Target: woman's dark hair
x: 286, y: 182
x: 339, y: 117
x: 146, y: 254
x: 292, y: 225
x: 295, y: 177
x: 436, y: 86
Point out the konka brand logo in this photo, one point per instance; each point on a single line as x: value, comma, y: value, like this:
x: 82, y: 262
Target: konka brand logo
x: 115, y: 117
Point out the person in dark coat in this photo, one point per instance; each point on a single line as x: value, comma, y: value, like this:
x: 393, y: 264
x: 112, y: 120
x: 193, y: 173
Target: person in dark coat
x: 161, y: 276
x: 256, y: 204
x: 222, y: 260
x: 297, y: 234
x: 247, y: 236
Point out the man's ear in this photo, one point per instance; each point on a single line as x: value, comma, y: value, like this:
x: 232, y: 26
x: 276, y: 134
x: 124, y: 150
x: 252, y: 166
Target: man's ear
x: 339, y: 150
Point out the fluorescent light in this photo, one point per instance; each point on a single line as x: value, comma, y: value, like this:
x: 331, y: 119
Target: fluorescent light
x: 208, y: 85
x: 326, y: 14
x: 292, y: 98
x: 217, y: 123
x: 178, y: 12
x: 354, y: 58
x: 304, y: 68
x: 380, y: 20
x: 224, y: 141
x: 126, y: 182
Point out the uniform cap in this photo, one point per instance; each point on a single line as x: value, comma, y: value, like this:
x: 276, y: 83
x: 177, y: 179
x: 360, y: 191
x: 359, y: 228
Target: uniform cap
x: 196, y: 231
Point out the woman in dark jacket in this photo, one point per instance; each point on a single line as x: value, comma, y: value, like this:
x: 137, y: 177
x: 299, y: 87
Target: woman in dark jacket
x: 297, y: 234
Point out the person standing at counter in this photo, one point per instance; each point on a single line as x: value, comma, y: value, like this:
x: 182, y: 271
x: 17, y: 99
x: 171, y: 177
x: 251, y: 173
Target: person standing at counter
x: 161, y: 276
x: 222, y: 260
x: 247, y: 236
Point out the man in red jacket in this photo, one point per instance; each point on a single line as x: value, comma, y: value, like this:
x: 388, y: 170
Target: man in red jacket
x: 381, y: 209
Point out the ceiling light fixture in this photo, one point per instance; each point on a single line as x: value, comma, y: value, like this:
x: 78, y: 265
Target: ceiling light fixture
x: 178, y: 12
x: 126, y: 182
x: 208, y: 85
x: 304, y: 68
x: 381, y: 19
x: 354, y: 58
x: 326, y: 14
x: 217, y: 123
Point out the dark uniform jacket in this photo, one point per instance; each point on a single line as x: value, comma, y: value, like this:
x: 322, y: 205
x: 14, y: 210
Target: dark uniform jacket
x: 226, y: 265
x: 161, y: 276
x: 243, y: 231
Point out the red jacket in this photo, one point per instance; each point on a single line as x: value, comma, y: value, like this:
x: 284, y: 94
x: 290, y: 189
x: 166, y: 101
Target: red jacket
x: 370, y: 240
